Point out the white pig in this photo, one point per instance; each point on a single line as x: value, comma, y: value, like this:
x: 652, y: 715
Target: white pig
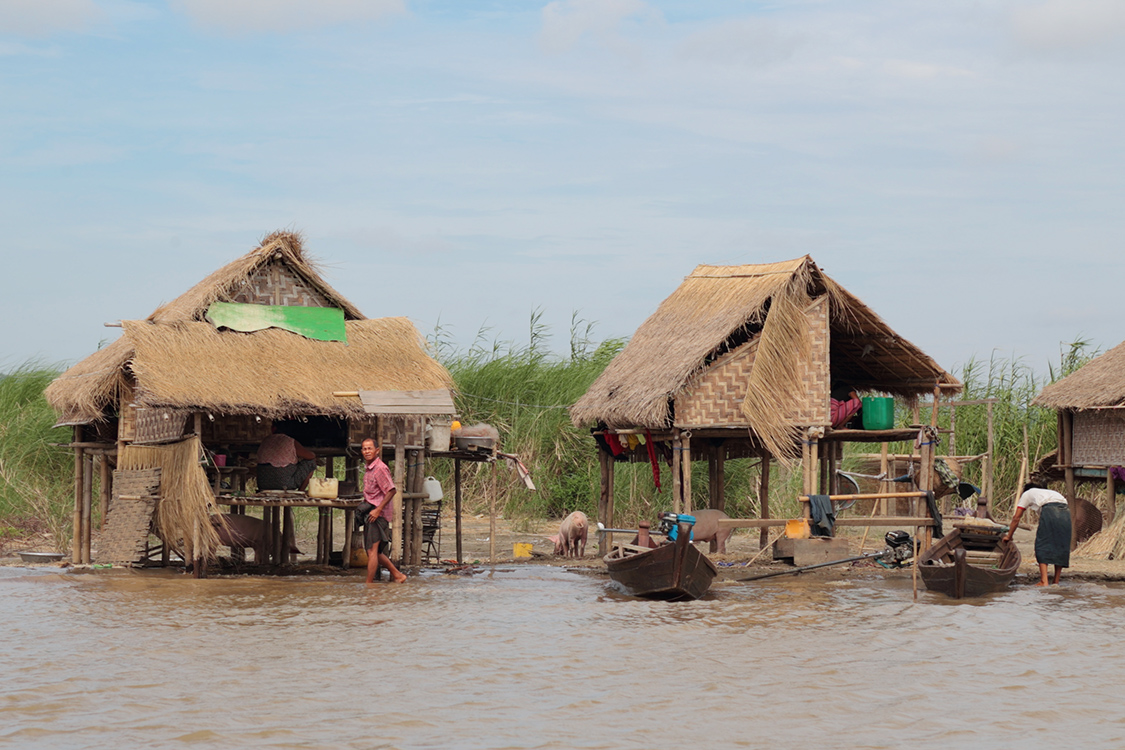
x: 571, y: 539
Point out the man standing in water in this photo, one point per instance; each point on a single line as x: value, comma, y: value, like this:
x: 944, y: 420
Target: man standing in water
x: 379, y: 490
x: 1052, y: 538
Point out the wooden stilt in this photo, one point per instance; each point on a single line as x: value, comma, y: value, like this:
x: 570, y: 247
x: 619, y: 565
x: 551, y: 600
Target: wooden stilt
x: 76, y: 537
x: 457, y: 506
x: 885, y: 485
x: 87, y: 505
x: 416, y: 508
x: 400, y: 478
x: 764, y: 497
x: 287, y: 536
x: 685, y: 470
x: 603, y: 500
x: 677, y: 474
x: 346, y: 546
x: 609, y: 498
x: 988, y: 461
x: 721, y: 477
x: 105, y: 486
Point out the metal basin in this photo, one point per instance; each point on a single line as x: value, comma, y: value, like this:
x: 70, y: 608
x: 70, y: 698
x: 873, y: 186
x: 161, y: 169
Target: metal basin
x: 40, y: 557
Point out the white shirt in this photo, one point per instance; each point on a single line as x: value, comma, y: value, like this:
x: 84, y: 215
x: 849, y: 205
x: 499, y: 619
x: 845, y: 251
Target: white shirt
x: 1035, y: 498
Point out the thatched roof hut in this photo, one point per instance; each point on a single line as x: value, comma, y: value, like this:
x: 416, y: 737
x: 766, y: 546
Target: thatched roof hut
x: 175, y: 359
x: 263, y: 338
x: 784, y: 317
x: 1098, y: 384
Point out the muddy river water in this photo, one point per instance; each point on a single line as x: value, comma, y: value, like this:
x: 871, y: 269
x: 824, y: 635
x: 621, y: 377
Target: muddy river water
x: 545, y: 657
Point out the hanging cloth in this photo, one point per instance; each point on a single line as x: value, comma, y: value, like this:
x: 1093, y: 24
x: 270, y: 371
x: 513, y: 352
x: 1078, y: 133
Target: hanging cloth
x: 652, y: 459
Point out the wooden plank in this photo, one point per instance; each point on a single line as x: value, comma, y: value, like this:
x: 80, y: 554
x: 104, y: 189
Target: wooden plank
x: 438, y: 401
x: 758, y: 523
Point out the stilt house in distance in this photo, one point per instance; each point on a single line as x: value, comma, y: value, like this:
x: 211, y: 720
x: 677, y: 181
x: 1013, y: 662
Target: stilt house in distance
x: 1091, y: 423
x: 739, y: 361
x: 262, y: 339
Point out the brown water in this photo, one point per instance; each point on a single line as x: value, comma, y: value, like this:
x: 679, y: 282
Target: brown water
x: 541, y: 657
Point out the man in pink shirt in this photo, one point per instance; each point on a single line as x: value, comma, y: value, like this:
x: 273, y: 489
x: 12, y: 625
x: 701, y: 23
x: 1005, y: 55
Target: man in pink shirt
x: 378, y: 490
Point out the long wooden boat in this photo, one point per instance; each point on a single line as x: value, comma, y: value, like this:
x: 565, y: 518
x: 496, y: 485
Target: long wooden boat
x: 674, y: 571
x: 970, y: 561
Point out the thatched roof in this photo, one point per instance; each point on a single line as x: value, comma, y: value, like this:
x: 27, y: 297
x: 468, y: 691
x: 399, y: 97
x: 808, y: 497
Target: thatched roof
x: 718, y: 308
x: 228, y: 364
x: 1099, y: 383
x: 275, y: 373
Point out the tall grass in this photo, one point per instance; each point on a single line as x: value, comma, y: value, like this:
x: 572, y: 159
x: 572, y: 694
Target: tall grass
x: 35, y: 477
x: 1014, y: 385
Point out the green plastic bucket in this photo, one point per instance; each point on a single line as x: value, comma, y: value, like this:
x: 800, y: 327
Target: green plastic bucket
x: 878, y: 412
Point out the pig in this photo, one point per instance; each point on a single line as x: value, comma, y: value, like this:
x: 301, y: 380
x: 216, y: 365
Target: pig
x: 246, y: 531
x: 707, y: 529
x: 571, y: 539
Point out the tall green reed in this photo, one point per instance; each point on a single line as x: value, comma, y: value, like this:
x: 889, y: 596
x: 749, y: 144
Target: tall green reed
x: 35, y: 477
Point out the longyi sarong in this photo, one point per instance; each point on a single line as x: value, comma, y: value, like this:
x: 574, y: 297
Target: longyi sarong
x: 1052, y: 539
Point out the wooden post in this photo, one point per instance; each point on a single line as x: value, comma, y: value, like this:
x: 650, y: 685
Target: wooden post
x: 1110, y: 494
x: 105, y: 487
x: 988, y: 460
x: 287, y: 536
x: 87, y: 504
x: 321, y: 541
x: 609, y: 485
x: 712, y: 492
x: 720, y: 478
x: 416, y: 507
x: 603, y: 500
x: 76, y: 536
x: 814, y: 462
x: 952, y: 428
x: 885, y: 485
x: 347, y: 546
x: 685, y: 469
x: 764, y: 497
x: 408, y: 509
x: 933, y: 412
x: 806, y: 459
x: 677, y: 480
x: 491, y: 528
x: 926, y: 484
x: 1068, y: 439
x: 279, y: 553
x: 457, y: 506
x: 400, y: 478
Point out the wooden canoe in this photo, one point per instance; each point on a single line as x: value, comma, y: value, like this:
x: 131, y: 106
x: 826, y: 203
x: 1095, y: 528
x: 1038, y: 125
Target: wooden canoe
x: 674, y: 571
x: 967, y: 563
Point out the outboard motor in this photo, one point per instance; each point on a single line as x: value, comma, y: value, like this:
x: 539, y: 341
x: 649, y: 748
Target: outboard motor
x: 670, y: 525
x: 900, y: 548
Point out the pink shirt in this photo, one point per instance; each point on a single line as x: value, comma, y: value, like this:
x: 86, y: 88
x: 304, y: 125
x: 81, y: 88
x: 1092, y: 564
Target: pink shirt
x: 278, y: 450
x: 842, y: 411
x: 377, y: 484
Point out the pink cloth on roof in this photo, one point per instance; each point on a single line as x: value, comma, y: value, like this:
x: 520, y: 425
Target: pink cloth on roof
x: 278, y: 450
x: 377, y: 483
x: 842, y: 411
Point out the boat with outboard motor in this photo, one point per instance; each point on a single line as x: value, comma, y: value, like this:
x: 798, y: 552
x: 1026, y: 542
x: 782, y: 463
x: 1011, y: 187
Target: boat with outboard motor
x: 674, y: 570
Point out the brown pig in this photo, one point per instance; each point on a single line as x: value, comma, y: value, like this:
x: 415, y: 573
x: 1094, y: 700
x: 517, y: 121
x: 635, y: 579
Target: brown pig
x: 246, y: 531
x: 571, y: 539
x: 707, y: 529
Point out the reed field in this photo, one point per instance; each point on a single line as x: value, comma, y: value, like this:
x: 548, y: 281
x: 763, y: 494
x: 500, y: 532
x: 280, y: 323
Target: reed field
x: 524, y: 391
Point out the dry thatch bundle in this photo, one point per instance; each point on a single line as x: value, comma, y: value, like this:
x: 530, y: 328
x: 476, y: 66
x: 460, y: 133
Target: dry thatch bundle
x: 183, y: 515
x: 717, y: 309
x: 275, y: 373
x: 1099, y: 383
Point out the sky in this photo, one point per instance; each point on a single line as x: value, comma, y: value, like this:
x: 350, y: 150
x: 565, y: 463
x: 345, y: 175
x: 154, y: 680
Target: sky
x: 959, y: 166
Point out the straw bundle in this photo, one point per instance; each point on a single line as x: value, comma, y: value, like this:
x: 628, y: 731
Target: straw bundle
x: 1109, y: 543
x: 183, y: 515
x: 775, y: 387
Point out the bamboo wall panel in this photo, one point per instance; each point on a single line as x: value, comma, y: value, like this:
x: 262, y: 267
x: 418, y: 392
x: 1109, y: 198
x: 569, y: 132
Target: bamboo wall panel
x: 275, y: 284
x: 130, y: 517
x: 714, y: 396
x: 1099, y: 437
x: 236, y: 428
x: 158, y: 425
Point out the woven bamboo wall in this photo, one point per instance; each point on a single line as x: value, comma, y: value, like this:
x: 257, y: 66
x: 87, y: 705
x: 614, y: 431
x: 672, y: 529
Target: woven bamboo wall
x: 236, y: 428
x: 155, y: 426
x: 714, y: 397
x: 1099, y: 437
x: 275, y: 284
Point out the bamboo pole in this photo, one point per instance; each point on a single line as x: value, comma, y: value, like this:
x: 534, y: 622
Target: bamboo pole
x: 348, y: 544
x: 603, y: 500
x: 609, y: 499
x: 677, y: 479
x: 419, y: 480
x: 991, y: 459
x: 885, y: 485
x: 287, y: 536
x: 721, y: 476
x: 105, y: 486
x: 457, y: 506
x: 400, y: 477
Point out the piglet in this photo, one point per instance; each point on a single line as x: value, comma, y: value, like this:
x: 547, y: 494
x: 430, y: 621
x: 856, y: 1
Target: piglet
x: 571, y: 539
x: 707, y: 529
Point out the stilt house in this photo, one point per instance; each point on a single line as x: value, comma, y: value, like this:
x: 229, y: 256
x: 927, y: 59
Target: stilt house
x: 1091, y: 424
x: 262, y: 340
x: 739, y: 362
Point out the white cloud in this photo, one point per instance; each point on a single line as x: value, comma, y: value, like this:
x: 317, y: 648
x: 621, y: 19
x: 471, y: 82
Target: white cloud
x: 43, y: 17
x: 565, y: 22
x: 1070, y: 25
x: 743, y: 41
x: 249, y: 16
